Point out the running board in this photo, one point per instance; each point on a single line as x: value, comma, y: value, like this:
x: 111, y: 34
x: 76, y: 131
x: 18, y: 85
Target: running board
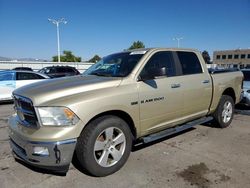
x: 174, y: 130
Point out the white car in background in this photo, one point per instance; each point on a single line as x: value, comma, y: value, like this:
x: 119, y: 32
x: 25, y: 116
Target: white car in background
x: 246, y: 87
x: 13, y: 79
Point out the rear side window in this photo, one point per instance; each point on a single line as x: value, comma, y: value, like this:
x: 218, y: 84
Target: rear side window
x: 39, y: 76
x: 50, y: 70
x: 42, y: 71
x: 68, y: 69
x: 28, y: 76
x: 7, y: 76
x: 161, y: 60
x: 190, y: 63
x: 61, y: 69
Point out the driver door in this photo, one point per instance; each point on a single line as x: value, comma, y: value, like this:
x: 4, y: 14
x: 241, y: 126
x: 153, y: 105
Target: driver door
x: 161, y: 98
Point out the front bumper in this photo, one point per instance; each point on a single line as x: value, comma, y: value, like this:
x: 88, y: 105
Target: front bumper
x: 59, y: 155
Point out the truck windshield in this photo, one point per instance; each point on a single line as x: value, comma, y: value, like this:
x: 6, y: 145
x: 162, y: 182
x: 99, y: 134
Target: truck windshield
x: 246, y: 75
x: 116, y: 65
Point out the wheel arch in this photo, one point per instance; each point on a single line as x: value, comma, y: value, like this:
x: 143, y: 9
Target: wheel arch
x: 230, y: 92
x: 121, y: 114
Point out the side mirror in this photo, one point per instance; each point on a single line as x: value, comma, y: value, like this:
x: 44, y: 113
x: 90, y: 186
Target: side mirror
x: 153, y: 73
x: 157, y: 72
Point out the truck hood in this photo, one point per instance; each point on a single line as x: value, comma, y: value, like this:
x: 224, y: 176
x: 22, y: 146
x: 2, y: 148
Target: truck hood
x: 51, y: 89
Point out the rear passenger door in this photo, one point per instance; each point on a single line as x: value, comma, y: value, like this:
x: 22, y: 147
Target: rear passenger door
x: 195, y: 83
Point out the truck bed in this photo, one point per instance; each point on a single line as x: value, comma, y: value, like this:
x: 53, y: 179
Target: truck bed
x: 229, y: 79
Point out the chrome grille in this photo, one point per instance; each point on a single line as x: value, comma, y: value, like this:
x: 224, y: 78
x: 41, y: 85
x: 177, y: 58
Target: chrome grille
x: 25, y: 111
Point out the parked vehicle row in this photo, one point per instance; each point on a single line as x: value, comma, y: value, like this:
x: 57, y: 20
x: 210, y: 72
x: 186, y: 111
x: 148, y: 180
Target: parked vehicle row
x: 13, y: 79
x: 53, y: 71
x: 21, y: 76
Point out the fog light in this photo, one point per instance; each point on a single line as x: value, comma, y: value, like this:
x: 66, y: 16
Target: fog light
x: 40, y: 151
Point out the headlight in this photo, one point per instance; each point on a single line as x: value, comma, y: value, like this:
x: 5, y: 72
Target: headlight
x: 57, y: 116
x: 248, y: 91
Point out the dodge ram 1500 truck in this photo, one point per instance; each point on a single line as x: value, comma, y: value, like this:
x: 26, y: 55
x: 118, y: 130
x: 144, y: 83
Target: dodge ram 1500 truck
x: 127, y: 97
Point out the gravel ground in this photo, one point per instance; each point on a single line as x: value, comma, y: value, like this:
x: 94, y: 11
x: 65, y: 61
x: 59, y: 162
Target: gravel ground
x: 201, y: 157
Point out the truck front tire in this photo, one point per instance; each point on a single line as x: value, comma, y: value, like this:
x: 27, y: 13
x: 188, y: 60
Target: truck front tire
x: 104, y: 145
x: 223, y: 115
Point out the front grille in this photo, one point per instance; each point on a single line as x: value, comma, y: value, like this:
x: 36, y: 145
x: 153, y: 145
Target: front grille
x: 25, y: 111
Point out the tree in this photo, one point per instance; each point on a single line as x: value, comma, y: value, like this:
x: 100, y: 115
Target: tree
x: 67, y: 57
x: 95, y: 59
x: 206, y: 57
x: 137, y: 44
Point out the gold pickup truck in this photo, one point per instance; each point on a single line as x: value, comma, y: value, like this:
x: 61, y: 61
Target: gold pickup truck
x: 126, y: 98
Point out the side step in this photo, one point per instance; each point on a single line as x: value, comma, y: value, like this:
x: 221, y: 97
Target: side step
x: 174, y: 130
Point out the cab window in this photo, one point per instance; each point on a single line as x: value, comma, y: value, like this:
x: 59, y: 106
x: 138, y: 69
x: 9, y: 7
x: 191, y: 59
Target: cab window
x: 160, y: 60
x: 190, y: 63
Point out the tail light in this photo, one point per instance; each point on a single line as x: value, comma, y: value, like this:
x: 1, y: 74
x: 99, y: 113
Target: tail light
x: 242, y: 82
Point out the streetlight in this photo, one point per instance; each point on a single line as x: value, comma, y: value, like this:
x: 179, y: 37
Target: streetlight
x: 178, y: 40
x: 57, y: 22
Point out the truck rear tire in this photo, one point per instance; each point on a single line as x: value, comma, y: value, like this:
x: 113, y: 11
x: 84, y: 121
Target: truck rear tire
x: 104, y: 145
x: 223, y: 115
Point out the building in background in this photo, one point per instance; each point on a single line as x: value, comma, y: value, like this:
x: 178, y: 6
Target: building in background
x: 239, y: 58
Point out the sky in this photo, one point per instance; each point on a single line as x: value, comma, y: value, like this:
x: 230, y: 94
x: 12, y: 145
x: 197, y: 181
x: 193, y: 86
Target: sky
x: 107, y: 26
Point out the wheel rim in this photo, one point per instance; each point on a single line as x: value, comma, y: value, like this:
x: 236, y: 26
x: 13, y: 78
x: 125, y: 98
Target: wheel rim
x: 227, y: 112
x: 109, y: 147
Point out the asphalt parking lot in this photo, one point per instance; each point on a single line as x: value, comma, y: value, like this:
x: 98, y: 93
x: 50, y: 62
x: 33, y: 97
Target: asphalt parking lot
x: 201, y: 157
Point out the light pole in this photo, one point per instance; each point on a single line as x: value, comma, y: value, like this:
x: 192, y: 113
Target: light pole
x: 178, y: 40
x: 57, y: 22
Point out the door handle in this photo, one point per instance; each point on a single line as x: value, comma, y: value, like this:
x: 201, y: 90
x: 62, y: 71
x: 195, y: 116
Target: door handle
x: 9, y: 84
x: 205, y: 81
x: 175, y: 85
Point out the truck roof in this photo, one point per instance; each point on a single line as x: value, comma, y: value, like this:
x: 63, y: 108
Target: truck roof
x: 163, y: 48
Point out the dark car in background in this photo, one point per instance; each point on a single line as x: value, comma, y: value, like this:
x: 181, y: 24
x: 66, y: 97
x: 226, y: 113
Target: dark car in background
x: 23, y: 68
x: 59, y: 71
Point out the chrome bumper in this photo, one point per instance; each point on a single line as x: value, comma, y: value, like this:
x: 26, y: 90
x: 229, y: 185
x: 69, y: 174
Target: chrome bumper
x: 59, y: 155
